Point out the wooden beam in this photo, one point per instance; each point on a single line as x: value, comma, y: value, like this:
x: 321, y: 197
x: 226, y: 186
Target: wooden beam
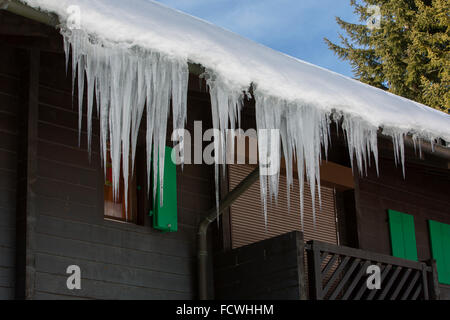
x: 332, y: 174
x: 301, y: 270
x: 32, y: 171
x: 337, y: 175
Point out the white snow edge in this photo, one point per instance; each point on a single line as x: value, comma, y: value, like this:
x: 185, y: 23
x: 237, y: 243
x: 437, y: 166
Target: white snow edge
x: 240, y: 62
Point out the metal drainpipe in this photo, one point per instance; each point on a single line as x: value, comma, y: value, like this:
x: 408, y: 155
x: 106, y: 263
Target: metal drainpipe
x: 202, y: 249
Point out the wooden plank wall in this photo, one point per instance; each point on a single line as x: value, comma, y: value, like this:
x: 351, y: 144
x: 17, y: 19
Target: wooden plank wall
x: 424, y: 193
x: 117, y: 261
x: 268, y: 269
x: 10, y: 85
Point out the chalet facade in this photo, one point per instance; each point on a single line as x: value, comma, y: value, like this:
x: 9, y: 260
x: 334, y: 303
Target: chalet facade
x: 57, y: 207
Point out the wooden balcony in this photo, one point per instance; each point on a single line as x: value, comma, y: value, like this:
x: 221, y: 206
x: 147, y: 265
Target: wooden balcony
x: 276, y: 269
x: 340, y: 273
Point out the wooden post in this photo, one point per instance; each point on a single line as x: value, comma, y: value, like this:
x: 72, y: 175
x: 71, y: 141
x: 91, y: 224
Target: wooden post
x: 31, y: 206
x: 303, y: 294
x: 27, y: 175
x: 314, y: 271
x: 26, y: 214
x: 435, y: 293
x: 426, y: 294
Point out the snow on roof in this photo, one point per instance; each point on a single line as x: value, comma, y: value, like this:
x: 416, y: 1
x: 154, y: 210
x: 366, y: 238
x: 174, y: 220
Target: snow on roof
x: 240, y: 62
x: 135, y: 53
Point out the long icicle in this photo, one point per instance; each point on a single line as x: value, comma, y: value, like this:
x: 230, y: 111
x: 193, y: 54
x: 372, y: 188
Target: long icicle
x: 125, y: 80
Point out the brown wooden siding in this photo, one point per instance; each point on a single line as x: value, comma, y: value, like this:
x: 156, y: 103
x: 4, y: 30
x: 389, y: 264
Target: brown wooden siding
x: 269, y: 269
x: 424, y: 193
x: 117, y: 261
x: 9, y: 145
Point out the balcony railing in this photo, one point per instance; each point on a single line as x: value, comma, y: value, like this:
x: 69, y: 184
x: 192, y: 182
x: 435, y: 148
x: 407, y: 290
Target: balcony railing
x: 340, y: 273
x: 276, y: 269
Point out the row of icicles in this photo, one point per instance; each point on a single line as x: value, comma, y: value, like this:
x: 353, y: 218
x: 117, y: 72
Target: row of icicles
x: 124, y: 81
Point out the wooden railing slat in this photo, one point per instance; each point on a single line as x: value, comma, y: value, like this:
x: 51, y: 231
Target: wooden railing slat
x: 314, y: 273
x: 400, y: 285
x: 323, y: 256
x: 335, y: 274
x: 329, y: 265
x: 426, y: 295
x: 390, y: 283
x: 361, y: 290
x: 411, y: 286
x: 384, y: 273
x: 417, y: 292
x: 355, y: 281
x: 344, y: 280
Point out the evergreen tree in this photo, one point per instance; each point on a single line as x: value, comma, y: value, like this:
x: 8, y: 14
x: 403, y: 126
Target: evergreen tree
x: 407, y: 53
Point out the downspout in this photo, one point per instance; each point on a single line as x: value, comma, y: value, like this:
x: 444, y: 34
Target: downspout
x: 202, y: 249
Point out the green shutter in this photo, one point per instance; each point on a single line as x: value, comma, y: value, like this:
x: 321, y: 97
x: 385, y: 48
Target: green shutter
x: 403, y: 235
x: 165, y: 216
x: 440, y: 249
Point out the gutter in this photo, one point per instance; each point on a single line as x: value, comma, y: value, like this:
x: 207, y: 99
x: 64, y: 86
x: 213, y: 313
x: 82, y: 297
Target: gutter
x: 213, y: 214
x: 17, y: 7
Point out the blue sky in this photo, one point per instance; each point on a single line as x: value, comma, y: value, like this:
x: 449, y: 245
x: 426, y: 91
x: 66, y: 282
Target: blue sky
x: 295, y: 27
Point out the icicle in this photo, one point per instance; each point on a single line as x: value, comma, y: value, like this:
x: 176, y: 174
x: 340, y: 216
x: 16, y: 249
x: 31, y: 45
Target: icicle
x: 123, y: 80
x: 226, y: 104
x: 180, y: 75
x: 398, y: 137
x: 304, y: 130
x: 361, y: 140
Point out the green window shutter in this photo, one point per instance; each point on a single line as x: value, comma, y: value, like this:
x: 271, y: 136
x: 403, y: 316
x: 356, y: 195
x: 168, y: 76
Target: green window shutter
x: 440, y: 249
x: 165, y: 217
x: 403, y: 235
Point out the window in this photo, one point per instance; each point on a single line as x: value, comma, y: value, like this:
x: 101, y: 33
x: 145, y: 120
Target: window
x: 403, y: 236
x: 440, y: 240
x: 140, y: 204
x: 115, y: 208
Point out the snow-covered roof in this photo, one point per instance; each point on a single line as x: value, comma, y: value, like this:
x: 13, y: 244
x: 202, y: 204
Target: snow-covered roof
x: 240, y: 61
x: 135, y: 53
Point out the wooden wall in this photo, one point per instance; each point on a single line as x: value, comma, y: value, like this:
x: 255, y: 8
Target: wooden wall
x: 424, y: 193
x: 124, y: 260
x: 10, y: 92
x: 268, y: 269
x: 117, y: 261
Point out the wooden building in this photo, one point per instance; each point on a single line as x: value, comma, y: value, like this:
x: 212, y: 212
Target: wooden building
x: 56, y: 207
